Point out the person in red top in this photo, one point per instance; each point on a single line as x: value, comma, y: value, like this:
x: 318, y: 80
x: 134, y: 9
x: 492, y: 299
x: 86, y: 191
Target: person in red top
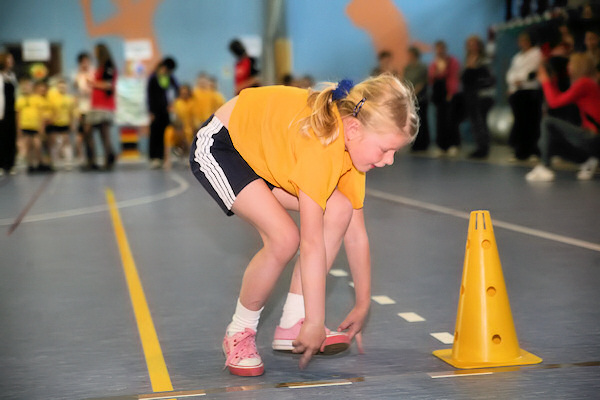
x: 580, y: 144
x: 444, y: 73
x: 246, y: 73
x: 103, y: 106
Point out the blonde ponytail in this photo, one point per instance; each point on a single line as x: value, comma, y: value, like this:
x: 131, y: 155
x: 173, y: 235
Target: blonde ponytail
x: 380, y: 103
x: 322, y: 119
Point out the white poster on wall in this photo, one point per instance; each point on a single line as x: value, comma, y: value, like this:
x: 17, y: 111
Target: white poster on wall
x: 138, y: 50
x: 253, y: 45
x: 36, y: 50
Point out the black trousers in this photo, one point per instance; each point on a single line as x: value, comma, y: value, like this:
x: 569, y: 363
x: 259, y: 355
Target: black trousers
x: 157, y: 135
x: 526, y: 106
x: 8, y: 142
x: 446, y: 124
x: 477, y: 111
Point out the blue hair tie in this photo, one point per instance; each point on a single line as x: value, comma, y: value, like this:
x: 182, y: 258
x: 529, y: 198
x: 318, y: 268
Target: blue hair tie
x: 342, y: 89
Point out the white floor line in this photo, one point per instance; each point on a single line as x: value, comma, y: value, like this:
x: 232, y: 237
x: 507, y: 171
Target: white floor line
x: 383, y: 300
x: 337, y: 272
x: 501, y: 224
x: 443, y: 337
x: 458, y: 374
x: 183, y: 185
x: 411, y: 317
x: 308, y: 385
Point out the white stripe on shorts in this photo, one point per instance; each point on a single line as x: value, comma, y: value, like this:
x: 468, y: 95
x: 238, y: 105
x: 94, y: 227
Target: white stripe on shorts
x: 209, y: 166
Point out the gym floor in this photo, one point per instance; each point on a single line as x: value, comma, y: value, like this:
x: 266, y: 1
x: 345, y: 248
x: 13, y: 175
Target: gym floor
x: 119, y: 286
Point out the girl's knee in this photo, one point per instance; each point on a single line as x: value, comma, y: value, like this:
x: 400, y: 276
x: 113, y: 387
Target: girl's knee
x: 284, y: 243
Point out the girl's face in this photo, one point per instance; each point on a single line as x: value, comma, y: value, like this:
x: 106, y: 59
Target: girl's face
x: 26, y: 87
x: 370, y: 149
x: 591, y: 40
x: 440, y: 50
x: 524, y: 42
x: 184, y: 92
x: 10, y: 62
x: 62, y: 87
x: 40, y: 89
x: 85, y: 64
x: 472, y: 46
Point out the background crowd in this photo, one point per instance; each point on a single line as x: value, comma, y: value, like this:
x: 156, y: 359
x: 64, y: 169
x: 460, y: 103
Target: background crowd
x: 552, y: 89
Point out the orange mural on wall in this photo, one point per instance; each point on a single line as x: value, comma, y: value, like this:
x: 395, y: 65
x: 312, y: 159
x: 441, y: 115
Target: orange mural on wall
x: 387, y: 27
x: 132, y: 20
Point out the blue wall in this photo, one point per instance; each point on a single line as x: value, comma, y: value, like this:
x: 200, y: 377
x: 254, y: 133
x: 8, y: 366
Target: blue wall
x: 327, y: 45
x: 197, y: 32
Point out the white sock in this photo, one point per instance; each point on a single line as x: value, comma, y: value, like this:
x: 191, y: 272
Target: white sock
x: 293, y: 310
x: 242, y: 319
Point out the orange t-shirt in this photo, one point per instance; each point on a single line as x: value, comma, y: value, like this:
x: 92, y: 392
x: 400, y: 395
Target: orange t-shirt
x: 264, y: 129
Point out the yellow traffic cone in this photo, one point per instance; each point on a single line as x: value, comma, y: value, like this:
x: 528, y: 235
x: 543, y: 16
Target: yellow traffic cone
x: 485, y: 334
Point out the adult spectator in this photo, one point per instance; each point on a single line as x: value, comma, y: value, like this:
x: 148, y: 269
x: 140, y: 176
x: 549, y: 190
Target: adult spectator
x: 443, y: 74
x: 8, y: 126
x: 102, y: 107
x: 384, y: 64
x: 525, y: 98
x: 162, y: 91
x: 575, y: 143
x: 478, y: 88
x: 246, y: 71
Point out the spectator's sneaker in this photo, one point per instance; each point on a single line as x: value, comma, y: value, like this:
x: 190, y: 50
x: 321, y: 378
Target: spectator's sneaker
x: 453, y: 151
x: 540, y: 173
x: 587, y: 169
x: 242, y: 358
x: 335, y: 342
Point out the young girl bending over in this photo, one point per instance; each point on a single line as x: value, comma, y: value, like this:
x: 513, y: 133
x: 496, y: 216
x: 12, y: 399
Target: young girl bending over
x: 277, y: 148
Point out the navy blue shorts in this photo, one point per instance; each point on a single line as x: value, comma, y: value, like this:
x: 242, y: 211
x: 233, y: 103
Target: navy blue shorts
x: 218, y: 166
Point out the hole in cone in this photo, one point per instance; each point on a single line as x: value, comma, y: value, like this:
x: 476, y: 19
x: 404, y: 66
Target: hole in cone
x: 491, y: 291
x: 496, y: 339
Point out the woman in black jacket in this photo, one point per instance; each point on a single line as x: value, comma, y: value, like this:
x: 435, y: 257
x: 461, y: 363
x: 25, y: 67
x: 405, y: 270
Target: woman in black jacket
x: 478, y: 90
x: 162, y: 89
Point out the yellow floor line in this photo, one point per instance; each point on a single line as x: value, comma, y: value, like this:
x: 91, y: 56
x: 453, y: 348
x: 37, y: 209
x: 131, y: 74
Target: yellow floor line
x: 157, y: 369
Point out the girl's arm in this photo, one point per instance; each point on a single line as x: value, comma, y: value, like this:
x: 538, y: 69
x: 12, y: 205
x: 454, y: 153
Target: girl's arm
x: 556, y: 98
x: 356, y: 244
x: 313, y: 270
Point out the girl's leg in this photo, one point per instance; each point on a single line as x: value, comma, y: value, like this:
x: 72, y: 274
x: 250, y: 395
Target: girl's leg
x: 28, y: 149
x: 54, y: 144
x: 257, y: 205
x: 90, y: 145
x: 67, y: 150
x: 562, y: 138
x: 109, y: 155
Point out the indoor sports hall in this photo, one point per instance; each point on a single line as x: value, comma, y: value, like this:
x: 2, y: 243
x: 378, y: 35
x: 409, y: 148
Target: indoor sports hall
x: 120, y: 276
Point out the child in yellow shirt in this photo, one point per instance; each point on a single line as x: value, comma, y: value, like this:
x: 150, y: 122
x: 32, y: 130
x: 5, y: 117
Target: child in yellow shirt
x: 217, y: 98
x: 202, y: 99
x: 62, y: 121
x: 32, y: 110
x: 181, y: 130
x: 277, y: 148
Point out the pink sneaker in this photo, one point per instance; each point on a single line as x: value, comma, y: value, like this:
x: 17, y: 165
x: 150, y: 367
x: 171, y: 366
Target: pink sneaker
x: 242, y: 358
x: 335, y: 342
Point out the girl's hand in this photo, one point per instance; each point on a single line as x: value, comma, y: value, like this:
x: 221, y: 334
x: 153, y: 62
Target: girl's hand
x: 354, y: 323
x: 309, y: 341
